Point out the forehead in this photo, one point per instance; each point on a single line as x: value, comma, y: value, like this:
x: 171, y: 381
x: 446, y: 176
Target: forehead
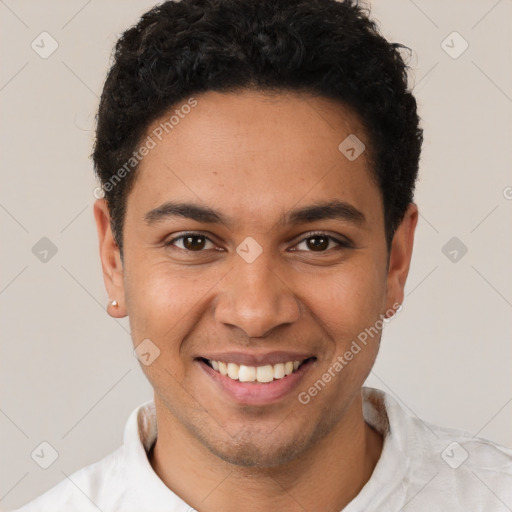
x: 251, y: 154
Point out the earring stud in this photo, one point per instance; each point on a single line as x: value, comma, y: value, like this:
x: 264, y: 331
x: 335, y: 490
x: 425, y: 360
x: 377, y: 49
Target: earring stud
x: 114, y: 304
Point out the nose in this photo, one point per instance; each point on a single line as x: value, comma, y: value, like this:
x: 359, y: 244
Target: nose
x: 255, y: 299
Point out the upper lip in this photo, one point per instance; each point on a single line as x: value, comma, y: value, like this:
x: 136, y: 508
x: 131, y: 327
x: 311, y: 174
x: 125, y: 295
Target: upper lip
x: 262, y: 359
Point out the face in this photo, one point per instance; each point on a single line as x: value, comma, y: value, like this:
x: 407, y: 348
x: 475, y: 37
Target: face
x: 250, y: 239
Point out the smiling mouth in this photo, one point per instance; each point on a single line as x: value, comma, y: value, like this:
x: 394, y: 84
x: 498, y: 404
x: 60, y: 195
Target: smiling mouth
x: 260, y: 374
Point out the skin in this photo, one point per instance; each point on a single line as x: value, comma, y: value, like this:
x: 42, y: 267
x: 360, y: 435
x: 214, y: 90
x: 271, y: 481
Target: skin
x: 254, y: 158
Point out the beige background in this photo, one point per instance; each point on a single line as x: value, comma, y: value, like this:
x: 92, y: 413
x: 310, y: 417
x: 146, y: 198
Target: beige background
x: 68, y: 375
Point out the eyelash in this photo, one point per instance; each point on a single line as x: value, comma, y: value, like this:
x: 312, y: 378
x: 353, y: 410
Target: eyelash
x: 317, y: 234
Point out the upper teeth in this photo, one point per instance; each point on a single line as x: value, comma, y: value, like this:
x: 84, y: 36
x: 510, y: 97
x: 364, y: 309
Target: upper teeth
x: 265, y: 373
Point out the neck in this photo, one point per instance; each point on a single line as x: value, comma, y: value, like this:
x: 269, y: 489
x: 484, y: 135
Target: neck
x: 327, y: 477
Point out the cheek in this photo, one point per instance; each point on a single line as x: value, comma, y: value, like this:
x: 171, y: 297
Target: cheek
x: 165, y: 303
x: 347, y: 305
x: 166, y: 306
x: 349, y: 299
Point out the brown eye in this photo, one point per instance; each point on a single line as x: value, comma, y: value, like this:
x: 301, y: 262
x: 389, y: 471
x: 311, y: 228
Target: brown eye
x: 194, y: 243
x: 318, y: 243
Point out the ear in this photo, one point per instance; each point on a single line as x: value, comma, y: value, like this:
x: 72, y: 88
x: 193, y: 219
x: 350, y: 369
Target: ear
x: 110, y: 260
x: 400, y: 257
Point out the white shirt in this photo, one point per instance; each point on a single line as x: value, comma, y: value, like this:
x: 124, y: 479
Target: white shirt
x: 422, y: 468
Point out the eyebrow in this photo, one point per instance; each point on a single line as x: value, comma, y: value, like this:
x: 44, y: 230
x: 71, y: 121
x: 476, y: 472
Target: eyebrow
x: 192, y: 211
x: 335, y: 210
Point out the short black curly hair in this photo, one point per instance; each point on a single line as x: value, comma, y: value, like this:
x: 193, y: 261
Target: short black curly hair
x: 325, y: 47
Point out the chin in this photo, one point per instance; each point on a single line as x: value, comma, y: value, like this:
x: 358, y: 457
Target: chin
x: 251, y: 447
x: 267, y: 449
x: 262, y: 454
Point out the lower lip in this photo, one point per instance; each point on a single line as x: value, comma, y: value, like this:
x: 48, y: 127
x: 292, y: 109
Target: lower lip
x: 257, y: 393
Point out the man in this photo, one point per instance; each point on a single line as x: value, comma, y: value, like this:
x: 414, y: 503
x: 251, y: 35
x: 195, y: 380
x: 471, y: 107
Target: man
x: 258, y: 161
